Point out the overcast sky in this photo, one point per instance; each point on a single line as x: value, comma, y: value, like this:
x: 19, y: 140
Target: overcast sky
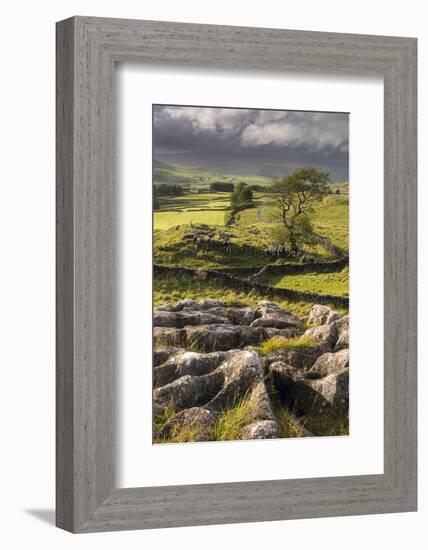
x: 251, y: 141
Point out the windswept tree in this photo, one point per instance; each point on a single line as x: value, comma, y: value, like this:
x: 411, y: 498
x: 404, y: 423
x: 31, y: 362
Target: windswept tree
x: 295, y: 196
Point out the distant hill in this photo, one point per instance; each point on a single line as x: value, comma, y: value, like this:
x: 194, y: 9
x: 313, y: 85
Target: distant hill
x: 179, y: 174
x: 186, y: 174
x: 192, y: 176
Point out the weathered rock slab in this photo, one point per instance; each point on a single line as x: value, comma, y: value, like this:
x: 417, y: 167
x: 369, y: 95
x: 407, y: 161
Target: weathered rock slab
x: 206, y: 362
x: 330, y: 363
x: 312, y: 397
x: 187, y: 362
x: 342, y: 327
x: 198, y: 421
x: 322, y: 315
x: 184, y: 318
x: 271, y: 315
x: 324, y: 335
x: 216, y: 337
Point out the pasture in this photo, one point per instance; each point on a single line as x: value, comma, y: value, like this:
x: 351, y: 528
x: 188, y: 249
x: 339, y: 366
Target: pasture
x: 336, y: 284
x: 192, y: 208
x: 185, y: 174
x: 180, y: 219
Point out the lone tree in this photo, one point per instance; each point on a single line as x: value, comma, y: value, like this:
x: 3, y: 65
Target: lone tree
x: 295, y: 196
x: 242, y: 197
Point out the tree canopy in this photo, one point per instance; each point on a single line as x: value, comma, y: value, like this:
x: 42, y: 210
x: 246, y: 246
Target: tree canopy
x: 221, y: 186
x: 168, y: 190
x: 295, y: 196
x: 242, y: 196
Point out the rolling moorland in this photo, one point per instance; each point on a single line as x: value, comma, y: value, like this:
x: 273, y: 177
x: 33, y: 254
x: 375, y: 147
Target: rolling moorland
x: 266, y: 332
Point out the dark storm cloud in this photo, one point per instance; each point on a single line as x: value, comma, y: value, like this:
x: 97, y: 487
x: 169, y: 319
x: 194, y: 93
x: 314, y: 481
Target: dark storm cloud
x: 251, y: 141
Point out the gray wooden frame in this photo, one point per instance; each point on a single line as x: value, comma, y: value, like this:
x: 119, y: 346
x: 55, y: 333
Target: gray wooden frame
x: 87, y: 50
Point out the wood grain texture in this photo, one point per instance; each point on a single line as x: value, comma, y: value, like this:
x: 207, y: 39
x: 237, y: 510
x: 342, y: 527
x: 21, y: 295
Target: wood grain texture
x: 87, y: 49
x: 64, y: 276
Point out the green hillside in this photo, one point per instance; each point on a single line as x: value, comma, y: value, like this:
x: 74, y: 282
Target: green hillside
x: 192, y: 176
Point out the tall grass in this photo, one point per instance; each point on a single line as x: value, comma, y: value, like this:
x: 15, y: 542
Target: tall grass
x: 288, y: 424
x: 232, y: 421
x: 179, y: 434
x: 161, y: 418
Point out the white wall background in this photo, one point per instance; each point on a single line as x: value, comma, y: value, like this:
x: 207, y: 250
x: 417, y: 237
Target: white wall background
x: 27, y: 271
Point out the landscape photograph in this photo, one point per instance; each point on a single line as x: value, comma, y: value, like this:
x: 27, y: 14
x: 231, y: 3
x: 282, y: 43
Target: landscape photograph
x: 250, y: 274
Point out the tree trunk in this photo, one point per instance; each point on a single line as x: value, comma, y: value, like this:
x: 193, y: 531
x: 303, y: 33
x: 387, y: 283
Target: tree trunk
x: 293, y: 243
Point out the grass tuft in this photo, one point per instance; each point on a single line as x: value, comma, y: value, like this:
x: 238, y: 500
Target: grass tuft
x: 327, y: 424
x: 161, y: 418
x: 178, y: 434
x: 288, y: 424
x: 280, y: 342
x: 232, y: 421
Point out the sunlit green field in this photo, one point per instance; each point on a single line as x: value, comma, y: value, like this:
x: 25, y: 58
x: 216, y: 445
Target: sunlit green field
x: 250, y: 236
x: 206, y: 208
x: 165, y: 220
x: 249, y: 241
x: 335, y: 284
x: 198, y: 177
x: 330, y: 218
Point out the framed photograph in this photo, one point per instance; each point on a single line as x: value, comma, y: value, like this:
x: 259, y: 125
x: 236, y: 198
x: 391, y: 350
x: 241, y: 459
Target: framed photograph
x: 236, y: 274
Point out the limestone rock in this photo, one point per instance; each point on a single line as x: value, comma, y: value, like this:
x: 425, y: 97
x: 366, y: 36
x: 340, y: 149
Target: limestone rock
x: 324, y: 335
x: 261, y: 429
x: 235, y: 315
x: 167, y: 337
x: 271, y: 315
x: 187, y: 362
x: 160, y: 355
x: 205, y: 361
x: 209, y: 304
x: 322, y: 315
x: 188, y: 391
x: 342, y: 326
x: 315, y: 397
x: 330, y: 363
x: 164, y: 307
x: 184, y: 318
x: 186, y: 303
x: 298, y: 358
x: 199, y: 420
x: 217, y: 389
